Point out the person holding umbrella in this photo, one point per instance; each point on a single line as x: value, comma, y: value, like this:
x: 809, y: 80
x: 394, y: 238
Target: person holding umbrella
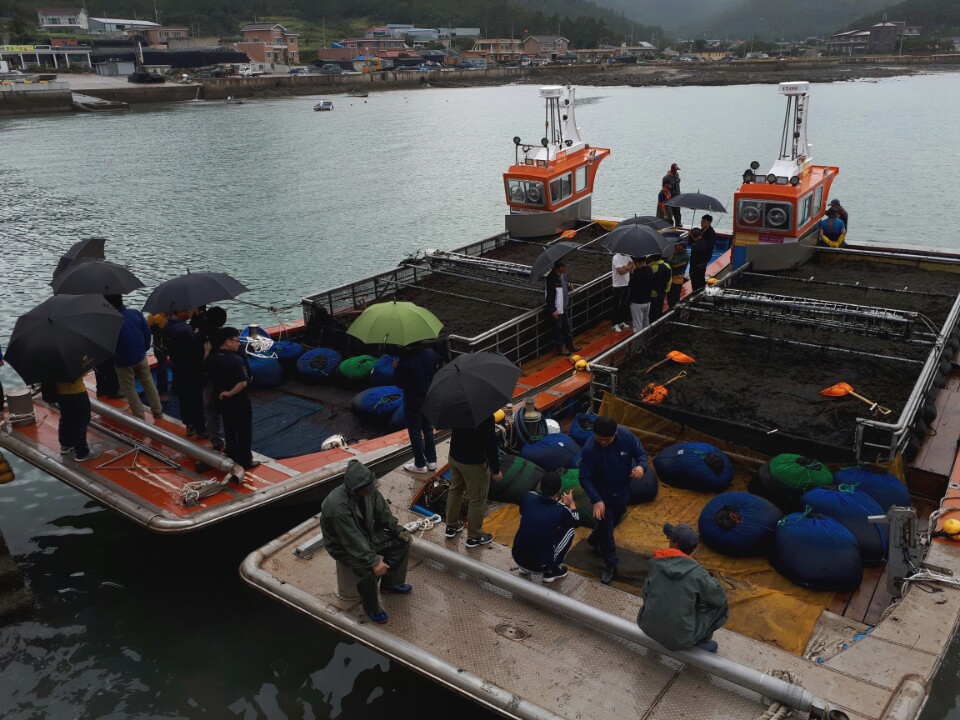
x: 130, y: 359
x: 463, y: 396
x: 186, y: 357
x: 641, y: 286
x: 701, y: 253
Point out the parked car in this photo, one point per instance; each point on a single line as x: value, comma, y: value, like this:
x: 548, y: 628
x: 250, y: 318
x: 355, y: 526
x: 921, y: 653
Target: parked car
x: 331, y: 69
x: 142, y: 76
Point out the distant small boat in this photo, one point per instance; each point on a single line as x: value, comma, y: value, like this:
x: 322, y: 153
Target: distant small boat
x: 356, y: 93
x: 323, y: 105
x: 234, y: 101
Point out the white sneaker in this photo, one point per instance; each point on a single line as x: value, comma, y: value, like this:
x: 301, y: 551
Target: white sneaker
x: 431, y: 466
x: 617, y: 328
x: 411, y: 467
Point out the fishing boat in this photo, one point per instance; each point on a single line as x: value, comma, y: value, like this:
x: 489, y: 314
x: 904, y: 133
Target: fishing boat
x: 549, y: 188
x: 156, y: 476
x: 355, y: 93
x: 777, y: 214
x: 883, y: 319
x: 323, y: 106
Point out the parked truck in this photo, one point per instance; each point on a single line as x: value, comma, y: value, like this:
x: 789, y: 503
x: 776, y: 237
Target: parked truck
x: 252, y: 69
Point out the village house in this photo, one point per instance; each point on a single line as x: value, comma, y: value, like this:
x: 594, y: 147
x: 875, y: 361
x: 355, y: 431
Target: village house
x: 270, y: 43
x: 63, y: 19
x: 370, y: 46
x: 498, y: 49
x: 549, y: 47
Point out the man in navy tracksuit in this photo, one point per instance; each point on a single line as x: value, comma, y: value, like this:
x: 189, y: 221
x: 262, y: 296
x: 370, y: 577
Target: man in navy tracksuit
x: 547, y: 521
x: 609, y: 461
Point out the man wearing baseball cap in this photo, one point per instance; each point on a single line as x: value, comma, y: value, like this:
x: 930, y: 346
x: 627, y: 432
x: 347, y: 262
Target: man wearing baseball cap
x: 672, y: 180
x: 610, y: 462
x: 682, y: 604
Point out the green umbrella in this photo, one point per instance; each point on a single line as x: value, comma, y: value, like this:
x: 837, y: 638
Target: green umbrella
x: 395, y: 323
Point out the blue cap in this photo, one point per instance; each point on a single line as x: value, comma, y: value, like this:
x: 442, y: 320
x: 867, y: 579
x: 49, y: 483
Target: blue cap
x: 684, y: 535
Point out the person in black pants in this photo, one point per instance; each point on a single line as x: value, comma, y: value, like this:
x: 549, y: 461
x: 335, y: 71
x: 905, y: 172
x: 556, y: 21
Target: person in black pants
x: 229, y: 378
x: 186, y: 357
x: 701, y: 253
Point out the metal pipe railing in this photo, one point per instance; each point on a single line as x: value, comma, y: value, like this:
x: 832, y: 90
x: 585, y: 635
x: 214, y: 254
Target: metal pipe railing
x: 191, y: 450
x: 771, y: 687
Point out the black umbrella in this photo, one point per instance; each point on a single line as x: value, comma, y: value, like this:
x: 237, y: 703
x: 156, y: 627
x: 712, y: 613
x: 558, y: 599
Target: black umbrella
x: 63, y: 337
x: 548, y: 257
x: 192, y: 290
x: 635, y: 240
x: 696, y: 201
x: 649, y: 220
x: 470, y: 389
x: 97, y: 277
x: 89, y: 248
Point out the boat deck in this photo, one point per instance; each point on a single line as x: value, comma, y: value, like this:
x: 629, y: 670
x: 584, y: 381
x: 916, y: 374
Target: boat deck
x: 525, y: 662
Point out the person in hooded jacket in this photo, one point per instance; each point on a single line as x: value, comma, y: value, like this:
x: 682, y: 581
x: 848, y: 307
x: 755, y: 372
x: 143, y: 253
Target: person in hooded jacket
x: 360, y: 531
x: 682, y: 604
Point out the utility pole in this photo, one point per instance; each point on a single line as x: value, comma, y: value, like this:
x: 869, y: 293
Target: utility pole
x: 324, y: 25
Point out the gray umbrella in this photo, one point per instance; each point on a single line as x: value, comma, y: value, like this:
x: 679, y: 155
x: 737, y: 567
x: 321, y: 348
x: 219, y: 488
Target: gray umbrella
x: 636, y: 241
x: 548, y: 257
x: 97, y: 277
x: 192, y: 290
x: 88, y: 248
x: 649, y: 220
x: 696, y: 201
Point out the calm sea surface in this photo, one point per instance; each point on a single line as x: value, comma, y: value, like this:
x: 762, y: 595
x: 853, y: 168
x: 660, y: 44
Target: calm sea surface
x: 129, y: 624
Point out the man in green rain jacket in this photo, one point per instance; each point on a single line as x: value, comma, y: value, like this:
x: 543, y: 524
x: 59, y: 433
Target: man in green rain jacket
x: 360, y: 531
x: 682, y: 604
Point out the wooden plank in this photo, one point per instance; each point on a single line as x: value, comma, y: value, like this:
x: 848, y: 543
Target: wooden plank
x: 880, y: 601
x: 939, y: 451
x: 861, y: 598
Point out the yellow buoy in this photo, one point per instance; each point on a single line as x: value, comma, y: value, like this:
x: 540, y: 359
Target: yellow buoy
x: 6, y: 477
x: 575, y: 359
x: 712, y: 281
x: 499, y: 416
x: 582, y: 366
x: 951, y: 526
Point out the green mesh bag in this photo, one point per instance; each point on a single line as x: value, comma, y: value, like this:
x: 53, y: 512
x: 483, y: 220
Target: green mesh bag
x: 799, y: 472
x: 519, y: 477
x: 570, y: 480
x: 357, y: 369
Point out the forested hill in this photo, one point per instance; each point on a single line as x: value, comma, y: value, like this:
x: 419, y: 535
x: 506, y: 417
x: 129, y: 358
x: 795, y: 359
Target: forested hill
x: 933, y: 16
x: 583, y: 22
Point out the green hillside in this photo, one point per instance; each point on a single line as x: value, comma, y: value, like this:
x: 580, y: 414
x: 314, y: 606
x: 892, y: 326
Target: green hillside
x: 789, y: 19
x: 669, y: 14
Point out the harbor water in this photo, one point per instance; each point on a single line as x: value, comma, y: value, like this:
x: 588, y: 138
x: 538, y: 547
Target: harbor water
x: 127, y: 624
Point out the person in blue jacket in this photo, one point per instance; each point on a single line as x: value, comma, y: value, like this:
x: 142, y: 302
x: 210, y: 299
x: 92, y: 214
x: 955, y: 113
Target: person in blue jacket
x: 609, y: 462
x: 130, y: 359
x: 413, y: 373
x: 547, y: 521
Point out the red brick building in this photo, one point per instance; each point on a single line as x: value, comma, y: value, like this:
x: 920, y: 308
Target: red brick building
x: 270, y: 43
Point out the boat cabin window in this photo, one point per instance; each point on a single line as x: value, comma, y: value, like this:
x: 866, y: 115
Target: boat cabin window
x: 806, y: 209
x: 581, y: 179
x: 560, y: 188
x: 818, y: 202
x: 525, y: 192
x: 756, y: 214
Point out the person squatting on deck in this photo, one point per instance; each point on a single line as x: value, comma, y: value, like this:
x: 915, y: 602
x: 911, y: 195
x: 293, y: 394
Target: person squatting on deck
x: 682, y: 604
x: 186, y: 358
x: 474, y: 462
x: 413, y: 373
x: 229, y: 378
x: 620, y: 277
x: 547, y: 522
x: 360, y: 531
x: 701, y: 253
x: 558, y: 288
x: 130, y: 360
x: 609, y: 463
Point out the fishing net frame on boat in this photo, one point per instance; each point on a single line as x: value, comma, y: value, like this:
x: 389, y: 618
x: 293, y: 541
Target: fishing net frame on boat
x: 524, y: 336
x: 875, y: 440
